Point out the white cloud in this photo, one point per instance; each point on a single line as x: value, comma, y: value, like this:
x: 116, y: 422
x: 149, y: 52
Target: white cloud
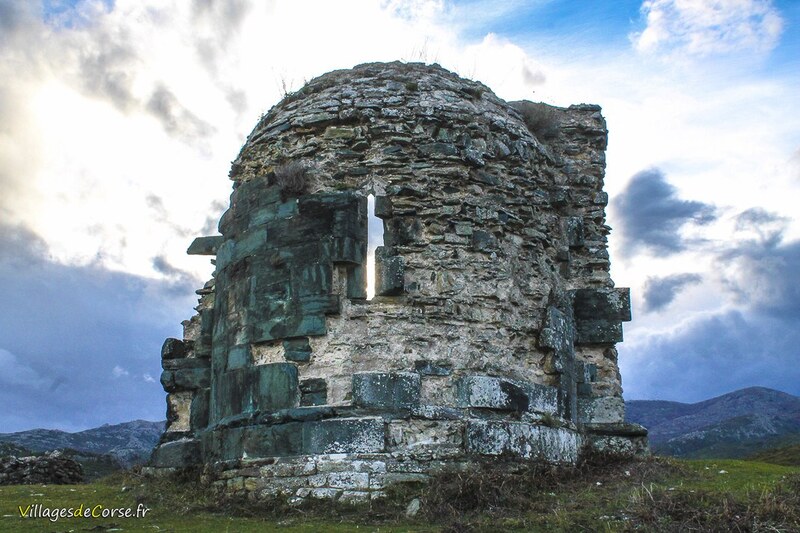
x: 148, y: 378
x: 705, y: 27
x: 119, y: 372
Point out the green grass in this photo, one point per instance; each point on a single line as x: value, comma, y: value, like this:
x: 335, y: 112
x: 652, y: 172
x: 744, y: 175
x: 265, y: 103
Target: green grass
x: 655, y: 494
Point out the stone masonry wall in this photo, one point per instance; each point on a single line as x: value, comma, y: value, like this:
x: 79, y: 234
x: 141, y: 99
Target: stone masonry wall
x: 493, y: 327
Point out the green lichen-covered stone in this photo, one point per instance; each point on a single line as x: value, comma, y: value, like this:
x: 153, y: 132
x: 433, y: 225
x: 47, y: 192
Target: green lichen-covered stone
x: 198, y: 412
x: 602, y: 304
x: 598, y: 331
x: 273, y: 441
x: 185, y: 379
x: 205, y: 245
x: 298, y: 350
x: 259, y: 388
x: 313, y: 391
x: 239, y: 356
x: 392, y: 390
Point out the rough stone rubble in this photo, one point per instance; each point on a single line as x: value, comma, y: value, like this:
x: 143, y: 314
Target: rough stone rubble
x: 493, y: 327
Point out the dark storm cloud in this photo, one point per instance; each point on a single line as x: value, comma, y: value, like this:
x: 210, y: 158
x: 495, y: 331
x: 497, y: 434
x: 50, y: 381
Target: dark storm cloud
x: 651, y: 215
x: 63, y: 331
x: 659, y: 292
x: 712, y: 356
x: 758, y: 344
x: 182, y: 282
x: 764, y: 276
x: 767, y: 226
x: 176, y: 119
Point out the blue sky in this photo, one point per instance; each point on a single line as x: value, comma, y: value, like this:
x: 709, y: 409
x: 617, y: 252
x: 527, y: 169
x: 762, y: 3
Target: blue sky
x: 119, y: 119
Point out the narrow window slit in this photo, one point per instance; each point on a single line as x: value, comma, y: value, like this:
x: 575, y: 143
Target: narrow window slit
x: 374, y: 239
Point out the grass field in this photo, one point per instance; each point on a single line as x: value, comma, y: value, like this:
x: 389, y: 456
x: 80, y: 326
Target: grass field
x: 649, y: 495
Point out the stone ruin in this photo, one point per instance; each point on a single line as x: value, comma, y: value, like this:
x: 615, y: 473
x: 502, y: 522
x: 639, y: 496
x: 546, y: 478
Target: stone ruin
x: 50, y: 468
x: 492, y: 331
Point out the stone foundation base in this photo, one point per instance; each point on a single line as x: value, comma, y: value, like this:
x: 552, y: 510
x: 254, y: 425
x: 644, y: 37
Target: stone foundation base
x: 298, y: 454
x: 361, y: 477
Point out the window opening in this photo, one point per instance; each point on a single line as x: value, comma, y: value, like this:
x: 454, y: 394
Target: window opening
x: 374, y: 239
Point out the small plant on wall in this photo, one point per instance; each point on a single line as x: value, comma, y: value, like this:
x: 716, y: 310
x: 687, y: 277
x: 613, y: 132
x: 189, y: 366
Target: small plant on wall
x: 292, y: 177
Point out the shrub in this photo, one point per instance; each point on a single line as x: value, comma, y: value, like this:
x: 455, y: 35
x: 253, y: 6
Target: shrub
x: 541, y: 119
x: 292, y: 177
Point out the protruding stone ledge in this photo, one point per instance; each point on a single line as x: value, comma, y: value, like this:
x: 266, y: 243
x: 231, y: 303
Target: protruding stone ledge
x: 173, y: 349
x: 599, y: 314
x: 205, y: 245
x: 605, y: 304
x: 186, y: 379
x: 620, y: 439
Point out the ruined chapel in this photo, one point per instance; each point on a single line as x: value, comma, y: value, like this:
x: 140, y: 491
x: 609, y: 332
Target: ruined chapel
x: 491, y: 334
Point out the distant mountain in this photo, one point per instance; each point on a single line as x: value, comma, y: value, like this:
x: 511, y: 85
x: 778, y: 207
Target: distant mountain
x: 738, y: 424
x: 129, y: 443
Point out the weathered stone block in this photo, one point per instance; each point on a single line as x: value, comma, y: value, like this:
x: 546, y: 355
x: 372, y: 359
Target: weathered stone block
x: 437, y: 149
x: 400, y: 231
x: 313, y: 391
x: 598, y: 331
x: 491, y: 393
x: 601, y: 410
x: 185, y: 379
x: 205, y: 245
x: 383, y: 206
x: 573, y: 230
x: 483, y: 241
x: 391, y: 390
x: 348, y: 480
x: 389, y: 273
x: 344, y: 435
x: 198, y: 412
x: 505, y: 395
x: 264, y: 388
x: 602, y: 304
x: 552, y: 445
x: 239, y: 356
x: 184, y: 363
x: 297, y: 350
x: 273, y: 441
x: 173, y: 349
x: 176, y: 454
